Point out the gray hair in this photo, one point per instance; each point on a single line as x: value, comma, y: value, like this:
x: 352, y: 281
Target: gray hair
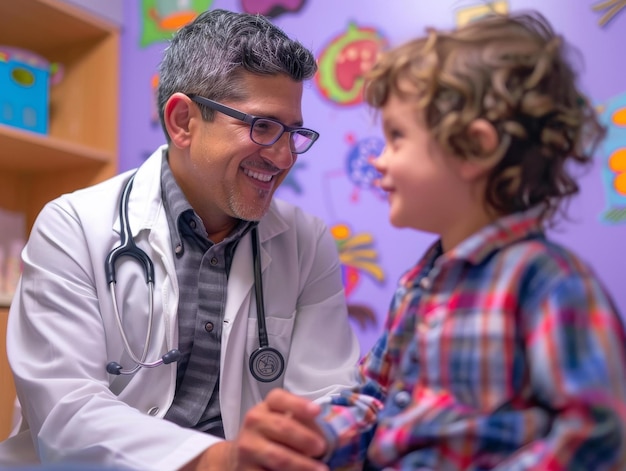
x: 206, y: 57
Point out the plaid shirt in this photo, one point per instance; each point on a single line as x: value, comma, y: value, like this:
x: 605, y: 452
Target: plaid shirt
x: 505, y: 353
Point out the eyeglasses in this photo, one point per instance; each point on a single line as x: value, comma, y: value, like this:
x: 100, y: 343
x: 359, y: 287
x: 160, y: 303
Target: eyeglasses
x: 265, y: 131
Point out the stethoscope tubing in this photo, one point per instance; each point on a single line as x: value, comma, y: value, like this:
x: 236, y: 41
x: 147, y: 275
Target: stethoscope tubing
x: 128, y: 248
x: 258, y: 289
x: 266, y: 363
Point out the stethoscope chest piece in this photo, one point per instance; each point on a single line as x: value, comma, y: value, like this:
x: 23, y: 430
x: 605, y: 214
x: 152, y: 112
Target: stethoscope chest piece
x: 266, y: 364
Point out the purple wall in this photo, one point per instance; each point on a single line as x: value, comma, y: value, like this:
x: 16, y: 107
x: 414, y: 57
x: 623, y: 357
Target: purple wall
x: 333, y: 181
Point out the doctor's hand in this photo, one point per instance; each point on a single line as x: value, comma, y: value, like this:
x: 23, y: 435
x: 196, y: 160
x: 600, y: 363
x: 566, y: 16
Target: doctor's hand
x: 278, y: 434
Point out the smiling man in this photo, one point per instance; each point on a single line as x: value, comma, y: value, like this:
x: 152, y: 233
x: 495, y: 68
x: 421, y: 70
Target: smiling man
x: 155, y: 309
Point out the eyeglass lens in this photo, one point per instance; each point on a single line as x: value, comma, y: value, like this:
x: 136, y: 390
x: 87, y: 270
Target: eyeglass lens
x: 266, y: 132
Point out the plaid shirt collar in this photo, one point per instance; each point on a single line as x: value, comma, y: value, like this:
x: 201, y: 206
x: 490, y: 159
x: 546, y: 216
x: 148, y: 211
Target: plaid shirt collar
x: 501, y: 233
x: 476, y: 248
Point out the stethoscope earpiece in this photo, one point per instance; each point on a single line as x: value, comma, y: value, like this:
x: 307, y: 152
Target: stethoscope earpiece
x: 171, y: 357
x: 114, y: 368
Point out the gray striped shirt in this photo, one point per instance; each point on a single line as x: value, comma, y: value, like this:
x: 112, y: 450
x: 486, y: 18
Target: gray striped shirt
x: 202, y: 269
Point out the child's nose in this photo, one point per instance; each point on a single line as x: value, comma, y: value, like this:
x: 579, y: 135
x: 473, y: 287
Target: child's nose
x: 379, y: 162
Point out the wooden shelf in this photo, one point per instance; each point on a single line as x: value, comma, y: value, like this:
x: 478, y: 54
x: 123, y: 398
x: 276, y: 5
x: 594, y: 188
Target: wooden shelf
x: 5, y: 299
x: 46, y: 26
x: 7, y: 391
x: 25, y: 151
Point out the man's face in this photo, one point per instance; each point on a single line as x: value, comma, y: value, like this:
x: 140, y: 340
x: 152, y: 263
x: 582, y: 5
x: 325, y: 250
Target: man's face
x: 224, y: 174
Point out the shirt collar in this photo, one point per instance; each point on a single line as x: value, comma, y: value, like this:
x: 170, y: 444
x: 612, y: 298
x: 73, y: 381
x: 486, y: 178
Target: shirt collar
x: 502, y: 232
x: 174, y: 202
x: 480, y: 245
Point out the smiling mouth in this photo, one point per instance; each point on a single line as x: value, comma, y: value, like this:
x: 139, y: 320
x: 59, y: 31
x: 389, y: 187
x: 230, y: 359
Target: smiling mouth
x: 262, y: 177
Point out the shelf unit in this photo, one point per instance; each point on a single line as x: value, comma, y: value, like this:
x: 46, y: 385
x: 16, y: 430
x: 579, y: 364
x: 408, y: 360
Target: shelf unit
x: 80, y: 148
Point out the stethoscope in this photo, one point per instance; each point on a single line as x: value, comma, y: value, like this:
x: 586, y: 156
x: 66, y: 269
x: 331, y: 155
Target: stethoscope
x: 266, y: 363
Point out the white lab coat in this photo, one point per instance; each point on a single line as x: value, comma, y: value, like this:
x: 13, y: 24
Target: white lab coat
x: 62, y: 329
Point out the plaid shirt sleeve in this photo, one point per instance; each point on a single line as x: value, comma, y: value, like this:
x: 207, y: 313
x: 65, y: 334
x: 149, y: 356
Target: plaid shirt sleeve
x: 349, y: 421
x: 575, y: 345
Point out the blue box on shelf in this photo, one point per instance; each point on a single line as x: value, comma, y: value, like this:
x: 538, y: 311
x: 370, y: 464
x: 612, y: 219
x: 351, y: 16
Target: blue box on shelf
x: 25, y: 80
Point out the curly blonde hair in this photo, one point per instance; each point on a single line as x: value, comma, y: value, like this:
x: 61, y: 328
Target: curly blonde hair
x: 512, y: 71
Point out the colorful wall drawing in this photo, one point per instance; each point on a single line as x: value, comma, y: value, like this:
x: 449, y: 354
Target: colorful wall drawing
x: 357, y: 257
x: 614, y: 159
x: 467, y: 14
x: 272, y: 8
x: 359, y: 168
x: 155, y: 120
x: 160, y: 18
x: 610, y: 9
x: 344, y: 61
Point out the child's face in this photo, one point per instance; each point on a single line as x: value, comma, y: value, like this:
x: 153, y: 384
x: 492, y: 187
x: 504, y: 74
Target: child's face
x: 426, y: 191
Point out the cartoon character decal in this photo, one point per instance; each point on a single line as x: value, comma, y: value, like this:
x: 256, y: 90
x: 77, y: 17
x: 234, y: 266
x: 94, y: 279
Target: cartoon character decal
x: 161, y: 18
x: 359, y: 166
x: 155, y: 120
x: 613, y: 150
x: 471, y: 13
x: 344, y: 61
x: 357, y: 257
x: 611, y: 9
x: 272, y: 8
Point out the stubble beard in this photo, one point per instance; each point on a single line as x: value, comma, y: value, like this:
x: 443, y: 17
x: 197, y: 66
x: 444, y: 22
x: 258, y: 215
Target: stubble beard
x: 247, y: 211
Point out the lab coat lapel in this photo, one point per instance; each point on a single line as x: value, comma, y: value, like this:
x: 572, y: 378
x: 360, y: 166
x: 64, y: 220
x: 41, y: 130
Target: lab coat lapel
x: 241, y: 278
x: 234, y: 329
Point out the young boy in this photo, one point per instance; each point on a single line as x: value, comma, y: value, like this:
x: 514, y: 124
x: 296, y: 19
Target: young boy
x: 501, y: 350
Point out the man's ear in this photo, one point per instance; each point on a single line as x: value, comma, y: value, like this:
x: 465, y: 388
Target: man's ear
x: 177, y: 117
x: 487, y: 145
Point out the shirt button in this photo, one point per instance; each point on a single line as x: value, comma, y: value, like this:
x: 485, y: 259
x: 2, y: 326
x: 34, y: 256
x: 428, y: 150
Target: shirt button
x: 192, y: 224
x: 178, y: 249
x: 402, y: 399
x: 425, y: 283
x: 208, y: 326
x: 214, y: 261
x: 153, y: 411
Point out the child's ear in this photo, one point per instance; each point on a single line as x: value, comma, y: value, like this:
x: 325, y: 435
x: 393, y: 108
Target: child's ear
x: 177, y: 117
x: 485, y: 135
x: 486, y: 140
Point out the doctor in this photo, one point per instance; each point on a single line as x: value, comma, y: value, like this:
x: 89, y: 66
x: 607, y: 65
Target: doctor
x: 155, y: 309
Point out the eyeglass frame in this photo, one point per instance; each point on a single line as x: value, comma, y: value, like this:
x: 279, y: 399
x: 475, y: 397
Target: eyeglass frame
x: 251, y: 119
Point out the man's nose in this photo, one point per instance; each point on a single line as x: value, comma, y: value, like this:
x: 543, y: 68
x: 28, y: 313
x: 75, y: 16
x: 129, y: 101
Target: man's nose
x: 280, y: 153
